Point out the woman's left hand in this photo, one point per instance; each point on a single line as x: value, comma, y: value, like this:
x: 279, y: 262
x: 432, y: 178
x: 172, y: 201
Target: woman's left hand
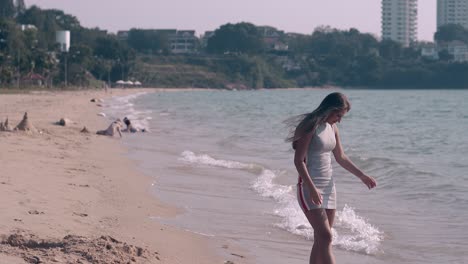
x: 368, y: 181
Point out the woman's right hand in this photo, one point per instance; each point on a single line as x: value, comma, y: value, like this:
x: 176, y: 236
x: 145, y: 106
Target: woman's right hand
x: 316, y: 196
x: 368, y: 181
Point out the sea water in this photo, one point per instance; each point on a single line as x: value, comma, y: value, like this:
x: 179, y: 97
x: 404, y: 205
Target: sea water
x: 221, y: 156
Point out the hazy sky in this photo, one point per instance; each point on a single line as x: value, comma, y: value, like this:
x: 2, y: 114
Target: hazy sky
x: 300, y: 16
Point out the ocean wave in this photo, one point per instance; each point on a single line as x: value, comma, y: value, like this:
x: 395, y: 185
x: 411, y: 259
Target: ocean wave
x: 123, y: 106
x: 355, y: 233
x: 204, y: 159
x: 351, y: 232
x: 363, y: 236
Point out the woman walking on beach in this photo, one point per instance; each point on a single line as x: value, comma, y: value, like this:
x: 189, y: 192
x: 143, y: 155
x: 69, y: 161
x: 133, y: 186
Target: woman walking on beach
x: 315, y: 138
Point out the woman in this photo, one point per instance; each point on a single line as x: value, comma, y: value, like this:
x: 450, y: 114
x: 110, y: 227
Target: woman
x: 315, y: 138
x: 114, y: 127
x: 130, y: 128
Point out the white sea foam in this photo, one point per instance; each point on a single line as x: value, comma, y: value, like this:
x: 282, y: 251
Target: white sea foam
x: 359, y: 235
x: 203, y: 159
x: 355, y: 233
x: 265, y: 187
x: 123, y: 107
x: 351, y: 232
x: 364, y: 237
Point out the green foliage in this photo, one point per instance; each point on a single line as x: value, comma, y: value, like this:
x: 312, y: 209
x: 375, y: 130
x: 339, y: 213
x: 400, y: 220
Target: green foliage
x: 47, y: 23
x: 236, y: 38
x: 87, y: 36
x: 7, y: 9
x: 148, y: 41
x: 341, y: 43
x: 299, y: 43
x: 13, y: 55
x: 238, y: 56
x: 176, y: 71
x: 11, y: 38
x: 390, y: 50
x: 93, y: 51
x: 108, y: 47
x: 208, y: 71
x: 102, y: 68
x: 451, y: 32
x: 444, y: 55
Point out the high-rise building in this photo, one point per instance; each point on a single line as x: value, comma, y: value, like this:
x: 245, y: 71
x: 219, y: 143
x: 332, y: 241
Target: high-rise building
x: 399, y: 20
x: 452, y: 12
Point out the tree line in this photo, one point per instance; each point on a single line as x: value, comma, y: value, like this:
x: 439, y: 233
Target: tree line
x: 234, y: 54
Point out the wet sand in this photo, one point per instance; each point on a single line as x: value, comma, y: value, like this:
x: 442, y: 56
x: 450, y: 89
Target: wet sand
x: 69, y: 196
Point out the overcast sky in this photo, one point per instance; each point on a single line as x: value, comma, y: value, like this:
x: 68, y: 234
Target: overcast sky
x: 300, y: 16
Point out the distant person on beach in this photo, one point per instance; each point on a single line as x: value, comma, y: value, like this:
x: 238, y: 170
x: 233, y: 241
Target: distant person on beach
x: 315, y: 137
x: 115, y: 127
x: 130, y: 127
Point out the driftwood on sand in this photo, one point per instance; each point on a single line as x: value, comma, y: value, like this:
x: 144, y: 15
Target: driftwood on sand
x: 84, y: 130
x: 26, y: 125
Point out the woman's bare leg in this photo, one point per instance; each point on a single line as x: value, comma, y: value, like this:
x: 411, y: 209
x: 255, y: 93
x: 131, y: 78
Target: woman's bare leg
x: 314, y: 254
x: 322, y: 250
x: 331, y: 216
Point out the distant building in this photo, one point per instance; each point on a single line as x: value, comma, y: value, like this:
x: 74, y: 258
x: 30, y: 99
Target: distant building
x: 399, y: 21
x: 183, y: 41
x: 122, y: 35
x: 430, y: 51
x: 180, y: 41
x: 272, y: 38
x: 456, y: 48
x: 452, y: 12
x: 28, y: 27
x: 288, y: 64
x: 295, y: 35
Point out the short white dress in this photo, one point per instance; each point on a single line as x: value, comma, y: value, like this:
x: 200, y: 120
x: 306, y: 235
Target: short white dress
x: 320, y: 169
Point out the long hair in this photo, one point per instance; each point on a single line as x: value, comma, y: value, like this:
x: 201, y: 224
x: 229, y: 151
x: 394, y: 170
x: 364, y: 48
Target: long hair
x: 304, y: 124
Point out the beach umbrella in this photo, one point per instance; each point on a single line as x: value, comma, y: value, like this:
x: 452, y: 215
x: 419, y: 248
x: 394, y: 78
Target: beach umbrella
x: 120, y: 82
x: 137, y: 83
x: 129, y: 83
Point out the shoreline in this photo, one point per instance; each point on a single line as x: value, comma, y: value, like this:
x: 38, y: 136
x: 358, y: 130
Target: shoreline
x: 61, y: 188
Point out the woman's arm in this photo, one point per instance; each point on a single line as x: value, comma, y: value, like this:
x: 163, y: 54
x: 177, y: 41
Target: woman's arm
x: 118, y: 130
x: 346, y: 163
x: 300, y: 156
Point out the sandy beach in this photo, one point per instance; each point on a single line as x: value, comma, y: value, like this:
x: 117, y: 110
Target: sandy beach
x: 71, y: 197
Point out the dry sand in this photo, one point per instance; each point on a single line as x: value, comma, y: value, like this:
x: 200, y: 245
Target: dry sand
x: 71, y: 197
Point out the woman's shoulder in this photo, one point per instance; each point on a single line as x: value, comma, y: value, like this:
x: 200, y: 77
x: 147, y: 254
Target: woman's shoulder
x: 321, y: 127
x: 335, y: 128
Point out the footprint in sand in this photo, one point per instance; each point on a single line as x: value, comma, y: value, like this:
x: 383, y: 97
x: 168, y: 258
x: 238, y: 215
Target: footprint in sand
x: 237, y: 255
x: 35, y: 212
x: 80, y: 214
x: 80, y: 185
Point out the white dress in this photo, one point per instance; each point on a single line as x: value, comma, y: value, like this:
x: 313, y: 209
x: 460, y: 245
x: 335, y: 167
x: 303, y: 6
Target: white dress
x: 320, y: 169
